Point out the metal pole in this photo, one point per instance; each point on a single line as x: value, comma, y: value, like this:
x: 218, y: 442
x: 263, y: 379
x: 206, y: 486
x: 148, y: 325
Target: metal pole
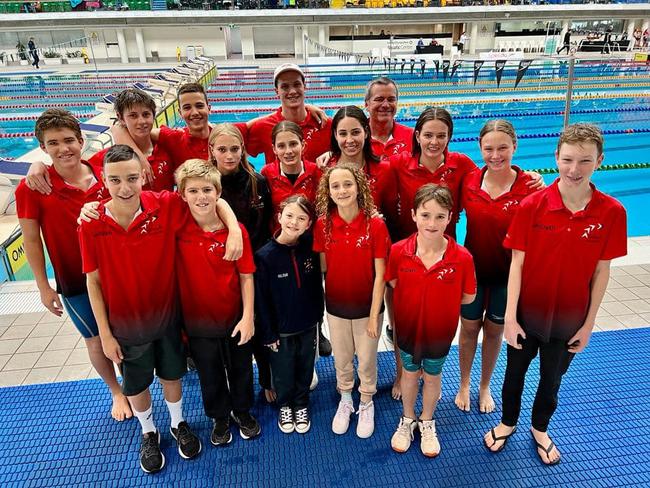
x: 569, y: 90
x: 92, y: 52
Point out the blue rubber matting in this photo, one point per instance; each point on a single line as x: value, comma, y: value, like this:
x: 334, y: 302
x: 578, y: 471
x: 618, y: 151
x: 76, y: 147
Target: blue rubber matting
x: 61, y: 435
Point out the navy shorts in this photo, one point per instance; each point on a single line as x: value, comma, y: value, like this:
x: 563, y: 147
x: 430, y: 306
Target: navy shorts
x: 489, y: 299
x: 78, y: 308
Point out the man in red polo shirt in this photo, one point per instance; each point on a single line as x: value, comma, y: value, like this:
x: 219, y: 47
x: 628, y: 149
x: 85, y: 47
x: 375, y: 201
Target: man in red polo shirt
x: 563, y: 239
x: 73, y: 183
x: 388, y: 137
x: 289, y: 81
x: 128, y: 257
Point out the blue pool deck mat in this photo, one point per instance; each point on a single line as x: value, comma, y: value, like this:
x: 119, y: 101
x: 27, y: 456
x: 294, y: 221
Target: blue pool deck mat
x: 61, y: 435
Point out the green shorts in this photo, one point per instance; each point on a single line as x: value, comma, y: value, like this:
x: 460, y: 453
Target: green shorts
x: 431, y: 367
x: 165, y: 356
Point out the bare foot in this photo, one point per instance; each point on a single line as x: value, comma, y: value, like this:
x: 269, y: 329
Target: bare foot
x: 462, y: 399
x: 485, y: 400
x: 496, y: 438
x: 121, y: 409
x: 396, y: 392
x: 546, y: 449
x: 270, y: 395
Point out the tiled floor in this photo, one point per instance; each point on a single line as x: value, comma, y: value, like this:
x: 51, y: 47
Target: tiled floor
x: 42, y: 348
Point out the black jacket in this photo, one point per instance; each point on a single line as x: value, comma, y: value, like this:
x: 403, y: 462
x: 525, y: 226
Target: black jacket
x: 288, y: 289
x: 254, y: 215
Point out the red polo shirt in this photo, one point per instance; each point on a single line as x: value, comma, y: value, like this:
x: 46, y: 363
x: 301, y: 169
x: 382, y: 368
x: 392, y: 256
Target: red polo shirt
x: 487, y: 224
x: 383, y: 187
x: 136, y: 267
x: 209, y: 286
x: 562, y: 251
x: 163, y: 172
x: 350, y: 251
x: 401, y: 141
x: 281, y: 188
x: 181, y: 146
x: 426, y: 302
x: 317, y: 139
x: 410, y: 176
x: 57, y: 215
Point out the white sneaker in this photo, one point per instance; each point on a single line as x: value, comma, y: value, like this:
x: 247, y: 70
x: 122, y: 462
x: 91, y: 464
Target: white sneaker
x: 429, y: 444
x: 314, y: 381
x: 366, y: 422
x: 341, y: 420
x: 403, y: 436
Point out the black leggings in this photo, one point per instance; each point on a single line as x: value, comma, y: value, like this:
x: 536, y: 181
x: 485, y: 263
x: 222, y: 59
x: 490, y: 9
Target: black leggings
x: 554, y: 361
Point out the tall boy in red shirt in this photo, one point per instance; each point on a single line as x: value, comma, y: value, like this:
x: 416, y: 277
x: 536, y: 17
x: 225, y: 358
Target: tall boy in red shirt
x: 128, y: 259
x: 563, y: 239
x: 74, y: 182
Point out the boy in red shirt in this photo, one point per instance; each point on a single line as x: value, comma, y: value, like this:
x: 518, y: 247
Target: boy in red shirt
x: 74, y: 182
x: 127, y: 257
x: 427, y: 267
x: 217, y: 300
x: 563, y: 240
x: 135, y: 111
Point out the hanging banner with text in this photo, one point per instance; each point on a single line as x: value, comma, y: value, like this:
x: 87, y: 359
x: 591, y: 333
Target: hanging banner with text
x: 477, y: 67
x: 499, y: 66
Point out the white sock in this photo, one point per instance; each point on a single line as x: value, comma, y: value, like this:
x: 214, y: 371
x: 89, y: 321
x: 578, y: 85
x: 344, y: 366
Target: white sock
x: 175, y: 412
x: 146, y: 420
x: 346, y: 396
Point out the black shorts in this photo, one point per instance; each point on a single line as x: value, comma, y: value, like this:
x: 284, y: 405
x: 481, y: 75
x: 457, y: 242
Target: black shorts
x: 165, y: 356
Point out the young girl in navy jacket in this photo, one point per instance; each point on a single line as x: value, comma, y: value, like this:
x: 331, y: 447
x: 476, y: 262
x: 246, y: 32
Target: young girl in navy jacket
x: 289, y: 303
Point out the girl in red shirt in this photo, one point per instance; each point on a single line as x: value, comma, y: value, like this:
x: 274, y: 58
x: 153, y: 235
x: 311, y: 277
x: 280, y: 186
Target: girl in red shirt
x: 351, y: 143
x: 490, y: 197
x: 289, y: 174
x: 354, y: 246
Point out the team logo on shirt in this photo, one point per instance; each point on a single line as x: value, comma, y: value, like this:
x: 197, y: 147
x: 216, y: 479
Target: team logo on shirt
x: 160, y: 170
x: 445, y: 174
x: 146, y: 226
x: 216, y: 245
x: 309, y: 265
x: 363, y: 241
x: 509, y: 204
x: 307, y: 134
x: 591, y: 231
x: 446, y: 274
x: 397, y: 148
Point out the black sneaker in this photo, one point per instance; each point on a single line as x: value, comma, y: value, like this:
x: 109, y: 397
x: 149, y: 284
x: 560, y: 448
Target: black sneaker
x: 189, y: 445
x: 221, y: 434
x: 151, y: 458
x: 301, y: 418
x: 285, y: 420
x: 324, y: 345
x: 248, y: 426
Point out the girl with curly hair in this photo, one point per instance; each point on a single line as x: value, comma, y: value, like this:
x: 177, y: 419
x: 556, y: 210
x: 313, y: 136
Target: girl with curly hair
x: 353, y: 246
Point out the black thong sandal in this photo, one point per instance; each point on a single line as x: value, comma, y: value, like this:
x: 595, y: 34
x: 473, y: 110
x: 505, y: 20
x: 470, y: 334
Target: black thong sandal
x: 496, y: 439
x: 547, y: 450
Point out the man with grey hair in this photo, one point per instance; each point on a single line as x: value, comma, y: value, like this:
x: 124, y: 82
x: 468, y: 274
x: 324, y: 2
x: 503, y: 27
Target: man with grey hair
x: 388, y: 137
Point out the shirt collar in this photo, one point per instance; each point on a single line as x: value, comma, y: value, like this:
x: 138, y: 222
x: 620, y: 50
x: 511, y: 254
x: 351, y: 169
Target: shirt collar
x: 555, y: 199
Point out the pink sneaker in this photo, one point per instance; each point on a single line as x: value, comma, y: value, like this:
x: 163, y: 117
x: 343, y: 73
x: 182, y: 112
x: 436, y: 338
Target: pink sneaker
x: 341, y: 420
x: 366, y: 423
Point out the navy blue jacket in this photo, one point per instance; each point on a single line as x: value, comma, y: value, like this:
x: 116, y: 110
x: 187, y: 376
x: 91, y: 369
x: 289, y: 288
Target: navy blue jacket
x: 288, y: 289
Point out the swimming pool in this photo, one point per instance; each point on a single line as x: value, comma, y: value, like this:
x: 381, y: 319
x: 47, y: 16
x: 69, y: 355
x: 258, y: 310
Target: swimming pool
x: 614, y: 96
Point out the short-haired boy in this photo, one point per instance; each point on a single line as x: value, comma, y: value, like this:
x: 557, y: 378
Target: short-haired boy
x: 135, y: 111
x: 563, y: 239
x: 54, y: 215
x: 432, y: 276
x: 217, y: 298
x: 128, y: 259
